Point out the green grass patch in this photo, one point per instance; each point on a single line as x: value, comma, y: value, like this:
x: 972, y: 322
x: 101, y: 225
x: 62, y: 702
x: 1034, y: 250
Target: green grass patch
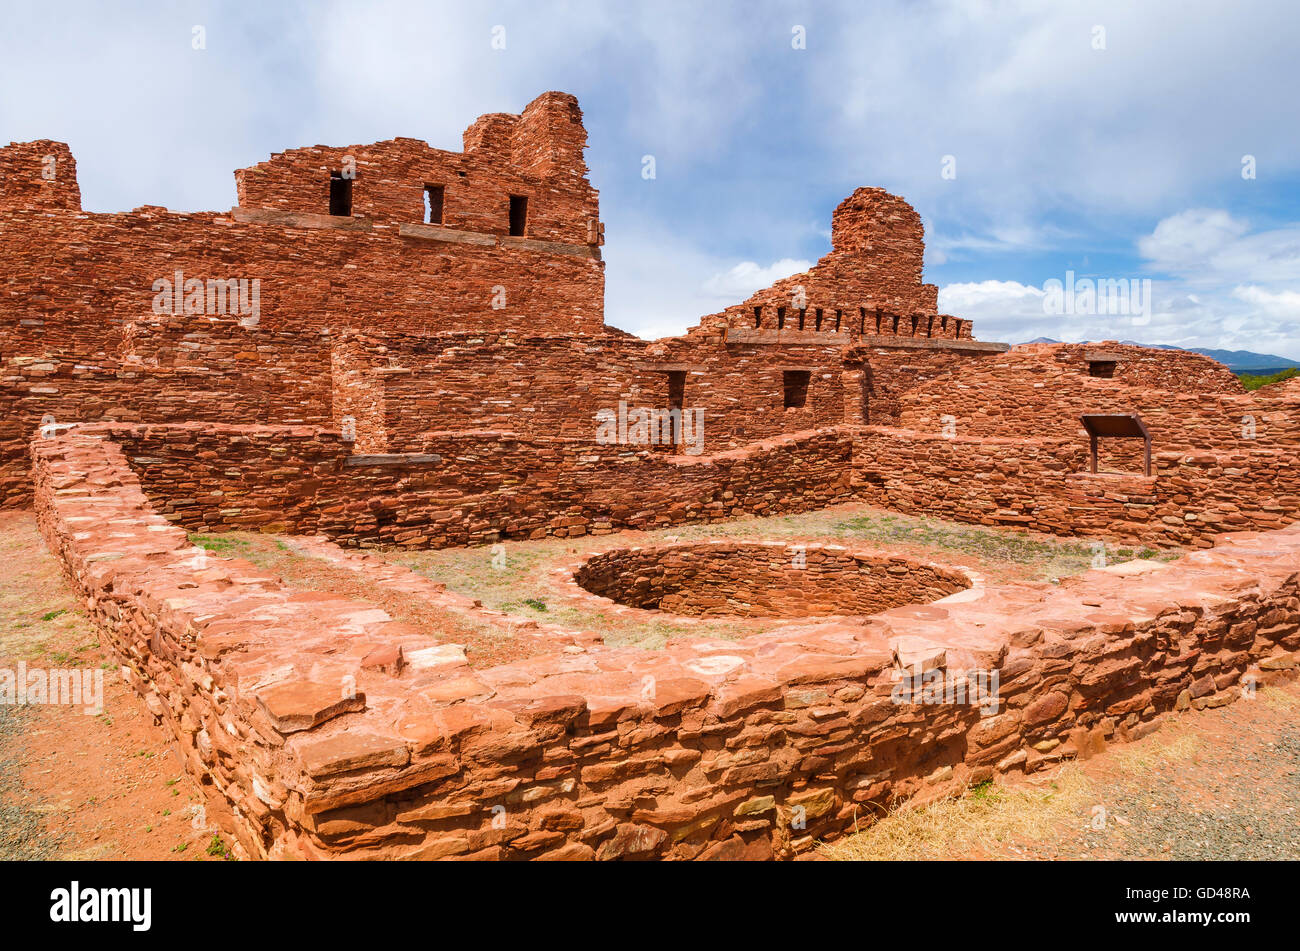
x: 1252, y: 381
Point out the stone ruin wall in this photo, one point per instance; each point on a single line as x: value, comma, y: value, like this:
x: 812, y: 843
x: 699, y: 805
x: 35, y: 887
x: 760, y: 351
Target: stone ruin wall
x: 476, y: 487
x: 399, y: 387
x: 869, y: 285
x: 40, y: 174
x: 1044, y: 485
x: 754, y: 579
x: 1191, y: 404
x: 163, y: 370
x: 467, y: 488
x: 1187, y: 400
x: 556, y: 385
x: 537, y: 154
x: 73, y: 278
x: 474, y: 424
x: 750, y: 749
x: 392, y: 323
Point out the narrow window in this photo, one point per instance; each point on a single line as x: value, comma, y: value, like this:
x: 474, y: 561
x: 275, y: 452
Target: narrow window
x: 818, y: 325
x: 839, y: 317
x: 803, y: 315
x: 758, y: 317
x: 862, y: 320
x: 518, y: 215
x: 433, y: 204
x: 340, y: 195
x: 676, y: 389
x: 780, y: 318
x: 796, y: 387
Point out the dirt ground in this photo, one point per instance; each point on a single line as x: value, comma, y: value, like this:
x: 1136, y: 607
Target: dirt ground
x: 75, y: 785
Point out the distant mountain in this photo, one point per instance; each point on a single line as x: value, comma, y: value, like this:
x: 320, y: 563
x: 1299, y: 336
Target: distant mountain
x: 1238, y: 361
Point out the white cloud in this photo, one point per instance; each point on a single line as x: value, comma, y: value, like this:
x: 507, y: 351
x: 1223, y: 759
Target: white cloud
x: 1219, y: 318
x: 745, y: 278
x: 1188, y: 241
x: 1043, y: 126
x: 1280, y: 305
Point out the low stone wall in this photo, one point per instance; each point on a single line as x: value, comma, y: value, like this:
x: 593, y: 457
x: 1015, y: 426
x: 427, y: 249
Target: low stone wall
x: 331, y: 731
x: 747, y: 579
x: 467, y: 488
x: 1044, y: 485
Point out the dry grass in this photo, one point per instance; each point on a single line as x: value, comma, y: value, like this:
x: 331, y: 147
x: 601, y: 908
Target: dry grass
x: 1284, y: 701
x: 1003, y: 818
x: 1171, y: 746
x: 986, y: 820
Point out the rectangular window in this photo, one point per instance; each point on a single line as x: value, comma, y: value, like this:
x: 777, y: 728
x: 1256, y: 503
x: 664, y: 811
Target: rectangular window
x: 796, y: 387
x: 1102, y: 368
x: 758, y: 317
x: 433, y: 204
x: 340, y: 195
x: 818, y: 325
x: 780, y: 318
x: 518, y: 215
x: 676, y: 389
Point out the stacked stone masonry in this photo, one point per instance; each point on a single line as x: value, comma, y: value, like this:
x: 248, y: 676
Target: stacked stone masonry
x: 330, y: 730
x: 393, y: 345
x: 748, y: 579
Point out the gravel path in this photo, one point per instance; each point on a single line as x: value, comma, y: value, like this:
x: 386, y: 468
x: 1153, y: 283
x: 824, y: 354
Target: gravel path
x: 22, y: 830
x: 1217, y: 785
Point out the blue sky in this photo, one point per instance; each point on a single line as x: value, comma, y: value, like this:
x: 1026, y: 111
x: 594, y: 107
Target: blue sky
x: 1117, y: 162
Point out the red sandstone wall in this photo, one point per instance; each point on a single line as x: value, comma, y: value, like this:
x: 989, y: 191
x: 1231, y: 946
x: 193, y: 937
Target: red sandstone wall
x: 40, y: 174
x: 1043, y: 484
x: 869, y: 284
x: 470, y: 488
x: 70, y: 280
x: 537, y: 154
x: 556, y: 385
x: 397, y: 388
x: 752, y: 750
x: 167, y: 370
x: 1187, y: 401
x: 467, y: 488
x: 748, y: 579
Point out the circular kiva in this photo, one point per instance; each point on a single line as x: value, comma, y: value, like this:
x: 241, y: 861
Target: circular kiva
x: 764, y: 579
